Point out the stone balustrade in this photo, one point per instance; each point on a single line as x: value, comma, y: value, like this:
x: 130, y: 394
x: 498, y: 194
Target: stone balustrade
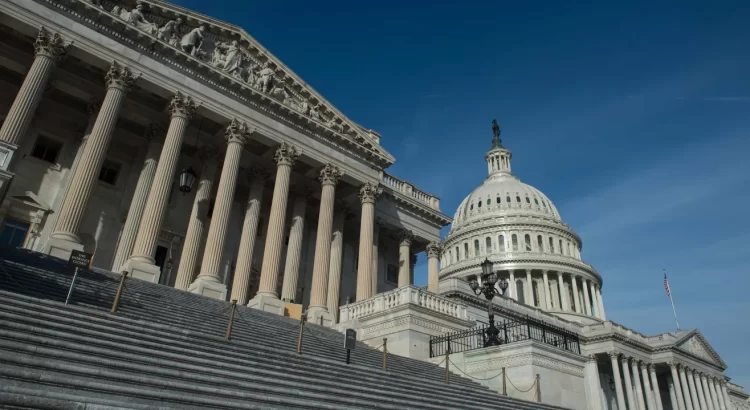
x: 406, y: 295
x: 410, y: 191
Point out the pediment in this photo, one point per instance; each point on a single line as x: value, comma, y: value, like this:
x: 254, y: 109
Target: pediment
x: 233, y: 61
x: 695, y: 344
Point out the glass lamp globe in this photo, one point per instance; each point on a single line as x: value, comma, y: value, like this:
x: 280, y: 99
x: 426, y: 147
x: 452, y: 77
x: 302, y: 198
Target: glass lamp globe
x: 486, y: 267
x: 473, y: 282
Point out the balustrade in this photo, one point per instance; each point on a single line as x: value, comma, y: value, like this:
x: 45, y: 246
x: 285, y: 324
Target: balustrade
x: 403, y: 296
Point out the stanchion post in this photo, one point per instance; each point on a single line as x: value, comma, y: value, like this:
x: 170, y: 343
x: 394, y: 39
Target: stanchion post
x: 116, y: 302
x: 447, y: 365
x: 72, y: 284
x: 385, y: 354
x: 299, y: 337
x: 538, y: 390
x: 505, y: 389
x: 231, y: 319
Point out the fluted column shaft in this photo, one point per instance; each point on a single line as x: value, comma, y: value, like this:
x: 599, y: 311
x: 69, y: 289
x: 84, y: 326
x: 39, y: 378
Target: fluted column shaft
x: 512, y: 285
x: 375, y: 255
x: 651, y: 369
x: 329, y: 177
x: 673, y: 400
x: 618, y: 381
x: 639, y: 393
x: 561, y: 288
x: 119, y: 81
x: 715, y: 384
x: 547, y: 296
x: 237, y: 135
x: 628, y: 384
x: 647, y: 391
x: 724, y: 394
x: 714, y: 396
x: 529, y: 289
x: 404, y: 256
x: 433, y: 269
x: 367, y: 195
x: 334, y: 274
x: 48, y: 50
x: 602, y: 315
x: 707, y: 393
x: 595, y: 303
x: 678, y: 388
x: 182, y: 109
x: 699, y: 389
x: 294, y: 251
x: 587, y: 301
x: 269, y: 272
x: 693, y: 392
x: 687, y: 393
x: 574, y: 283
x: 197, y: 222
x: 137, y: 205
x: 244, y: 267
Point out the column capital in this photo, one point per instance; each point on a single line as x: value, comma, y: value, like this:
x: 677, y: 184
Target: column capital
x: 643, y: 365
x: 286, y: 154
x: 238, y: 131
x: 405, y: 237
x: 528, y: 271
x: 672, y: 364
x: 624, y: 359
x: 330, y: 174
x: 613, y: 354
x: 545, y: 271
x: 591, y: 357
x: 50, y: 45
x: 434, y: 249
x: 369, y: 193
x: 120, y: 77
x: 182, y: 106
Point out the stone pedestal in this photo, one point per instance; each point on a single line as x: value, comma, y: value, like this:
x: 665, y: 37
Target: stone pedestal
x: 267, y: 303
x: 209, y: 286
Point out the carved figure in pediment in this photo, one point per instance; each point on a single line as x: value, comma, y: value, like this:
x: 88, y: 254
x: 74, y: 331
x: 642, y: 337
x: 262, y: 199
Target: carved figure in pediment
x: 174, y: 41
x: 334, y: 125
x: 265, y: 79
x: 314, y: 113
x: 252, y: 75
x: 217, y: 57
x: 169, y: 30
x: 232, y: 62
x: 136, y: 18
x: 192, y: 41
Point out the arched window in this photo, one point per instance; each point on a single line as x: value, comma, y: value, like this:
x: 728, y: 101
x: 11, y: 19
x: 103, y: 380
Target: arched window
x: 501, y: 243
x: 471, y: 207
x: 488, y: 245
x: 528, y: 201
x: 489, y: 202
x: 466, y: 251
x: 534, y: 290
x: 536, y: 201
x: 527, y: 242
x: 551, y: 245
x: 519, y: 292
x: 570, y: 249
x: 540, y: 243
x: 561, y: 247
x: 507, y: 199
x: 479, y: 204
x: 545, y: 204
x: 518, y: 199
x: 514, y: 240
x: 456, y: 256
x: 476, y: 247
x: 497, y: 199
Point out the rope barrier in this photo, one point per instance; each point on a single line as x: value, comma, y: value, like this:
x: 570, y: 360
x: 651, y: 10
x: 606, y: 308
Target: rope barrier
x: 472, y: 377
x: 519, y: 390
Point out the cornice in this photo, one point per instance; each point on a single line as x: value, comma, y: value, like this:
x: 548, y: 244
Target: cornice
x: 423, y: 210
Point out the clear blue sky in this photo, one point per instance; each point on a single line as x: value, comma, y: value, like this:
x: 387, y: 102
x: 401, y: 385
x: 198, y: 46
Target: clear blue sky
x: 633, y: 117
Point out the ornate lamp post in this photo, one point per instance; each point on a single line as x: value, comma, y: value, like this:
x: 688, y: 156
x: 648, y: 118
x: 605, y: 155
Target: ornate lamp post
x: 489, y: 279
x: 187, y: 179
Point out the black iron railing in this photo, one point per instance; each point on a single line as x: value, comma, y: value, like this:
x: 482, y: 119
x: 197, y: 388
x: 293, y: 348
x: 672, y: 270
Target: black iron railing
x: 510, y: 331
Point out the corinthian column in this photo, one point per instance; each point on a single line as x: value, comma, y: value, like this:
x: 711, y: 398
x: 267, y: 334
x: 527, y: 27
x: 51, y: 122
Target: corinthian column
x: 689, y: 387
x: 586, y: 300
x: 267, y: 299
x: 367, y: 195
x: 725, y: 394
x: 249, y: 232
x: 628, y: 384
x: 64, y: 238
x: 49, y: 49
x: 294, y: 248
x: 547, y: 296
x: 699, y: 389
x: 433, y: 251
x: 574, y: 283
x: 602, y: 316
x: 405, y: 238
x: 208, y: 283
x: 375, y: 242
x: 714, y: 396
x: 334, y: 275
x: 138, y: 203
x: 677, y: 387
x: 655, y: 385
x: 618, y: 381
x: 637, y: 384
x: 141, y: 263
x: 563, y: 295
x: 198, y: 216
x: 318, y: 311
x: 647, y: 390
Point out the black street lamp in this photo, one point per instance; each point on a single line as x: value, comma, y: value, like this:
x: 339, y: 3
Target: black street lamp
x: 488, y: 289
x: 187, y: 179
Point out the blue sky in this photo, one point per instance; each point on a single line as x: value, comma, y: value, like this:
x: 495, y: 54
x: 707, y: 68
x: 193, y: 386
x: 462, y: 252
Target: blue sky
x: 633, y: 117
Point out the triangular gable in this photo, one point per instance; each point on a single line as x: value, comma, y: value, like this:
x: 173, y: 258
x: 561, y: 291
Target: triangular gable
x: 694, y: 343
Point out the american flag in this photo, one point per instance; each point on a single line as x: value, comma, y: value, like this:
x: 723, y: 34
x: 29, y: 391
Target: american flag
x: 666, y: 285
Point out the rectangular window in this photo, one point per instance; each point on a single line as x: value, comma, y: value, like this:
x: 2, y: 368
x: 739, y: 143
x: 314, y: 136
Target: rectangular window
x: 14, y: 233
x: 46, y: 149
x: 392, y: 274
x: 109, y: 172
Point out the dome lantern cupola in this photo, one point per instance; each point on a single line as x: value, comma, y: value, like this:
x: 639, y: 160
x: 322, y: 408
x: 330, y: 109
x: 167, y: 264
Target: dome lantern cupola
x: 498, y: 158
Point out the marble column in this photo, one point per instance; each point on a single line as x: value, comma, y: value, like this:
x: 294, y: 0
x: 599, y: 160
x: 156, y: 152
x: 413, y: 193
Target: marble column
x: 651, y: 370
x: 529, y: 289
x: 586, y: 300
x: 267, y: 299
x: 691, y: 388
x: 638, y: 387
x: 613, y: 356
x: 209, y: 283
x: 725, y: 393
x: 574, y: 283
x: 699, y: 389
x: 49, y: 49
x: 433, y: 252
x: 685, y: 386
x: 592, y: 386
x: 244, y: 268
x: 368, y: 194
x: 138, y: 203
x: 318, y: 310
x: 564, y: 306
x: 375, y: 255
x: 712, y: 390
x: 707, y: 393
x: 594, y: 304
x: 405, y: 238
x: 628, y: 383
x: 64, y: 238
x: 294, y: 248
x: 678, y: 387
x: 716, y: 385
x: 547, y: 296
x: 198, y: 218
x: 337, y: 252
x: 672, y: 394
x: 141, y: 263
x: 512, y: 285
x: 602, y: 316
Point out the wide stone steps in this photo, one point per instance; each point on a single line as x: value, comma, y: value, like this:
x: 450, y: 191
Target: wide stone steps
x: 165, y: 349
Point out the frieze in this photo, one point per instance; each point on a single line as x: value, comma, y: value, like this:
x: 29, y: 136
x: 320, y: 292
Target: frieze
x: 404, y: 321
x: 525, y: 359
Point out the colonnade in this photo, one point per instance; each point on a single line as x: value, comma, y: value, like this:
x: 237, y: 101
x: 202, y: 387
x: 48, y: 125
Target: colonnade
x: 139, y: 237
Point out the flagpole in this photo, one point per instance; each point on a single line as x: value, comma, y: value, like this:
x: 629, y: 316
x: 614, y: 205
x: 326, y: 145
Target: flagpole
x: 672, y: 301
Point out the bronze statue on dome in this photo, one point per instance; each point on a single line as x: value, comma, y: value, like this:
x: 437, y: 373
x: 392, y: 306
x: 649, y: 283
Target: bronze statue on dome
x: 496, y: 141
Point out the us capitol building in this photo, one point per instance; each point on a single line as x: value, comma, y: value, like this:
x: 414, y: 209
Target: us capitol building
x: 177, y: 148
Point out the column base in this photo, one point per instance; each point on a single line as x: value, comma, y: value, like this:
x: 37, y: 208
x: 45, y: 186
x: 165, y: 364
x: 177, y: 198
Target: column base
x: 320, y: 316
x: 61, y: 246
x: 143, y: 270
x: 208, y: 286
x: 267, y: 303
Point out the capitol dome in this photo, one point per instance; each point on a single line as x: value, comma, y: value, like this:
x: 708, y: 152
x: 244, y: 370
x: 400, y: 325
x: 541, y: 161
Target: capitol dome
x: 520, y: 230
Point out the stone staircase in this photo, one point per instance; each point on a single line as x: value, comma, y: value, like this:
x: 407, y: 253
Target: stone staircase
x: 165, y: 349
